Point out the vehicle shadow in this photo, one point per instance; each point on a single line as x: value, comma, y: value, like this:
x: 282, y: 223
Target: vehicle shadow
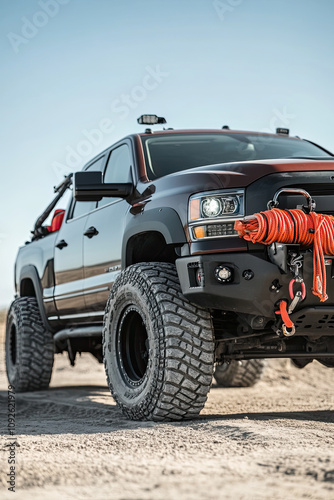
x: 85, y: 409
x: 90, y: 410
x: 304, y: 415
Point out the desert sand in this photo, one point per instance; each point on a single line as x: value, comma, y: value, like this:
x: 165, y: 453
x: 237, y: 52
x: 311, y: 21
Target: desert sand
x: 272, y: 441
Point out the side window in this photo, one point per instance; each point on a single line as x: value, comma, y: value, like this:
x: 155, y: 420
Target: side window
x: 118, y: 169
x: 83, y: 207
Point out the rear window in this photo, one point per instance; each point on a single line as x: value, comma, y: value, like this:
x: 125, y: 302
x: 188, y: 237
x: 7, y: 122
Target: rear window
x: 166, y: 154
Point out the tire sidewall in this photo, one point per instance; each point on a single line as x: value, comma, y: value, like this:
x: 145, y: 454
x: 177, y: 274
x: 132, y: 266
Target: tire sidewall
x: 13, y: 370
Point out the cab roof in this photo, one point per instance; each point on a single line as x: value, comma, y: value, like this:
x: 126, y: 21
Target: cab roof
x: 149, y: 132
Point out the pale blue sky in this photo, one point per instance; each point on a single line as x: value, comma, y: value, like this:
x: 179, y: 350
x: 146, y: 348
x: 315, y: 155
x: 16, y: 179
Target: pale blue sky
x: 251, y: 64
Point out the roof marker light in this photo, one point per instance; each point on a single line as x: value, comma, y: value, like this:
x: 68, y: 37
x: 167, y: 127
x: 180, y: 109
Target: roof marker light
x: 151, y: 120
x: 282, y: 131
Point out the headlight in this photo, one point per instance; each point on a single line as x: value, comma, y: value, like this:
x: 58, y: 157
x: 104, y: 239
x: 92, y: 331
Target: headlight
x: 213, y: 214
x: 211, y: 207
x: 223, y: 204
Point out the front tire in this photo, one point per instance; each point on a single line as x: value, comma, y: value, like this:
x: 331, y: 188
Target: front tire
x: 29, y: 347
x: 158, y: 347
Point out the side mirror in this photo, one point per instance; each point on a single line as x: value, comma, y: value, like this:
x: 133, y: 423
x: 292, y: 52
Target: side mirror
x: 89, y: 186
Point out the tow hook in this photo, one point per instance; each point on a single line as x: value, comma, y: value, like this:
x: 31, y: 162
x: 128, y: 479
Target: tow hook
x: 288, y: 332
x: 288, y: 328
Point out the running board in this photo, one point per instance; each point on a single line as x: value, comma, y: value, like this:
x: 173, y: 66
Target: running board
x: 78, y: 332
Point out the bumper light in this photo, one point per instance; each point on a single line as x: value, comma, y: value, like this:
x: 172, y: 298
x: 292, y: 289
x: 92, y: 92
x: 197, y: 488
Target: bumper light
x: 223, y: 274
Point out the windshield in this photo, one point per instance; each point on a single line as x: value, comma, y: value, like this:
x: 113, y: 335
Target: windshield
x: 166, y: 154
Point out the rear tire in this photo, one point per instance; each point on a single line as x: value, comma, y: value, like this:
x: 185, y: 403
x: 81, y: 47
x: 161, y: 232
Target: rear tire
x: 29, y: 347
x: 243, y: 373
x: 158, y: 347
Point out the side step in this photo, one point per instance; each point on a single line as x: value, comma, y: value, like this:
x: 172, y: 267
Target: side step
x: 75, y: 332
x: 65, y: 340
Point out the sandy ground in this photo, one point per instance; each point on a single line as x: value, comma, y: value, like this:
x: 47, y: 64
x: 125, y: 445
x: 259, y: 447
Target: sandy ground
x: 273, y: 441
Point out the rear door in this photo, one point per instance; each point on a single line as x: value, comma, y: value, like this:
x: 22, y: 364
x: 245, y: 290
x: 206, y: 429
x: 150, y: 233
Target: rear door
x: 103, y: 247
x: 68, y: 258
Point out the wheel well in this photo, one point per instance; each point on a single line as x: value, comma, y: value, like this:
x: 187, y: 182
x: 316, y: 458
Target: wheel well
x: 149, y: 247
x: 27, y: 288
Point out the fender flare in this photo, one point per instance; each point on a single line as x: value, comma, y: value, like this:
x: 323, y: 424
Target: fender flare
x: 30, y: 272
x: 162, y: 220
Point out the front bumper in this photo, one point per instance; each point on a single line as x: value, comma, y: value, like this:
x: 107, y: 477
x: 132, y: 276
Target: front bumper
x: 257, y: 296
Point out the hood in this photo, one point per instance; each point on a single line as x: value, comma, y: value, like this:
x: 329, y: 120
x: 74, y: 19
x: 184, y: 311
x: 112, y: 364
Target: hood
x: 230, y: 175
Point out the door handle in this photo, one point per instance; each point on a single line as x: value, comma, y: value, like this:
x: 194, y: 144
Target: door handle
x: 61, y: 244
x: 91, y: 231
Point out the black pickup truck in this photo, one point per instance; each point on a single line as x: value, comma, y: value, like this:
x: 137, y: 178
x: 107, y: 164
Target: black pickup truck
x: 144, y: 268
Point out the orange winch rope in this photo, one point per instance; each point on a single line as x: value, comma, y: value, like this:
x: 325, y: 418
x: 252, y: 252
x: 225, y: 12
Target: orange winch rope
x: 294, y: 226
x: 284, y: 313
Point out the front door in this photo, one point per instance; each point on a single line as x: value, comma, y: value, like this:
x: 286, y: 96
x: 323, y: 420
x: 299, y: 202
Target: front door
x: 103, y: 247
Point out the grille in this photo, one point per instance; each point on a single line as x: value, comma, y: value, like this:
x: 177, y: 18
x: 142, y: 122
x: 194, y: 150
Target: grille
x: 321, y: 193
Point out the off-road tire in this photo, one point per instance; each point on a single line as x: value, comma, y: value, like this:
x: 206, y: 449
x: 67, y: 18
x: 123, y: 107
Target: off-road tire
x: 29, y: 347
x: 158, y: 347
x: 243, y: 373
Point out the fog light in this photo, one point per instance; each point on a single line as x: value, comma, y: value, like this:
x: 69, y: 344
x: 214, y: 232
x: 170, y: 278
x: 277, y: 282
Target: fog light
x: 223, y: 274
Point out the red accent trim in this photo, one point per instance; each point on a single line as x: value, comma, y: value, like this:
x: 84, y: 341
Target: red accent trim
x: 57, y: 220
